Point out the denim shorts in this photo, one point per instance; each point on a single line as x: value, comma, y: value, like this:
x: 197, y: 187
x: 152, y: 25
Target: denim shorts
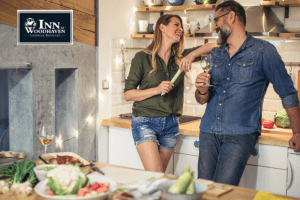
x: 162, y: 130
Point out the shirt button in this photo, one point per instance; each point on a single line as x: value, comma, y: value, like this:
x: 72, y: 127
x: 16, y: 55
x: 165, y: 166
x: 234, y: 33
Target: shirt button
x: 218, y: 117
x: 227, y: 78
x: 224, y: 91
x: 220, y: 104
x: 168, y: 74
x: 229, y: 64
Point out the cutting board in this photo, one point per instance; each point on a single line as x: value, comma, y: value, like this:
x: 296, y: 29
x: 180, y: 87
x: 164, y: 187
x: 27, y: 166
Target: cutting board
x: 125, y: 176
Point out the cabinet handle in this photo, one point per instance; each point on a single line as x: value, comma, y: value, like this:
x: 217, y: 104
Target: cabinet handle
x: 289, y: 175
x: 196, y: 144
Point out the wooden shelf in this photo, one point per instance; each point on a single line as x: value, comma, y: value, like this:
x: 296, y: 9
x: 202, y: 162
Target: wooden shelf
x: 151, y: 36
x: 177, y: 8
x: 290, y: 35
x: 278, y: 4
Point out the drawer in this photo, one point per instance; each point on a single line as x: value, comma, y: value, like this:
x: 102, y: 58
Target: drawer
x: 186, y: 145
x: 181, y: 160
x: 270, y: 156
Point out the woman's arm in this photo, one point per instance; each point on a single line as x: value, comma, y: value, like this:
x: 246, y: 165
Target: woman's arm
x: 186, y: 62
x: 140, y: 95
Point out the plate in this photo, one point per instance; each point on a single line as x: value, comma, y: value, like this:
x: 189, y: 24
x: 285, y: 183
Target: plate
x: 146, y: 32
x: 48, y: 156
x: 95, y: 176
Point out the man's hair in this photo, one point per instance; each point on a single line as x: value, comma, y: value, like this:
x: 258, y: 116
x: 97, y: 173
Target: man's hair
x: 234, y: 6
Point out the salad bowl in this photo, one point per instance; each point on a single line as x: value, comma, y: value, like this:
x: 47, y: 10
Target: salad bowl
x: 40, y: 189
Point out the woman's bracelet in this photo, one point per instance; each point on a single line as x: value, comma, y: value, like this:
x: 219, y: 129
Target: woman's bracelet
x: 202, y: 93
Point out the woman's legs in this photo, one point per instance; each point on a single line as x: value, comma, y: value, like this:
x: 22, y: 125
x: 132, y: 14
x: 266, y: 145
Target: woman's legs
x: 154, y: 158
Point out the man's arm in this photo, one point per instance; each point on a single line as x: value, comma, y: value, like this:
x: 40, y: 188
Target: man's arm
x: 294, y: 117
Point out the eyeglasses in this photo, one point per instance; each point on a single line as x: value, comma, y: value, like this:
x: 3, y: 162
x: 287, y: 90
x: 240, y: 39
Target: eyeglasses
x: 216, y: 18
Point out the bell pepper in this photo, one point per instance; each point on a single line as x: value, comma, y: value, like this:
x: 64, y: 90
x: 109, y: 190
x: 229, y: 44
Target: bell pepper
x: 268, y: 124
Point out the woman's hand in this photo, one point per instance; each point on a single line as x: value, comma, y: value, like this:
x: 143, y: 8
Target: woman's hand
x: 186, y: 62
x: 201, y: 80
x: 164, y: 86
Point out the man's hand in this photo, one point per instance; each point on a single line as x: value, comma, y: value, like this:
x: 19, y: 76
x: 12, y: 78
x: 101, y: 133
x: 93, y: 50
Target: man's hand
x: 164, y: 86
x: 186, y: 62
x: 201, y: 80
x: 295, y: 142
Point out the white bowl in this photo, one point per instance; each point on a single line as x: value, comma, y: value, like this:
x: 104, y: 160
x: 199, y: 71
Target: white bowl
x: 41, y: 175
x: 40, y: 189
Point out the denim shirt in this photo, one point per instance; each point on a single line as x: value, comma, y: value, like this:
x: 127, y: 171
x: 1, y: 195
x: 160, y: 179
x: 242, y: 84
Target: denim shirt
x: 240, y: 84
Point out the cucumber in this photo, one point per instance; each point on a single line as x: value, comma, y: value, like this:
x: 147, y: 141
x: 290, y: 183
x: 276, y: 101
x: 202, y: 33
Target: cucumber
x: 191, y: 187
x: 183, y: 181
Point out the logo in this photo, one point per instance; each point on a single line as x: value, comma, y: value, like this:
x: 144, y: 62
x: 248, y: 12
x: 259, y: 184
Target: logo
x: 45, y: 27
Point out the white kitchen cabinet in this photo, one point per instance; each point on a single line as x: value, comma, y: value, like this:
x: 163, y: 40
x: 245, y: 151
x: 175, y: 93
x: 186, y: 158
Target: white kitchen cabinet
x: 268, y: 170
x: 122, y: 150
x: 264, y: 178
x: 293, y: 183
x: 181, y: 160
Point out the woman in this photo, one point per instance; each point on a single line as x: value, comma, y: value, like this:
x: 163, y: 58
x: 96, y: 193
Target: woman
x: 155, y: 117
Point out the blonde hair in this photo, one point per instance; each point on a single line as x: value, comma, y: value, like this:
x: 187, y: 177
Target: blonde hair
x: 152, y: 49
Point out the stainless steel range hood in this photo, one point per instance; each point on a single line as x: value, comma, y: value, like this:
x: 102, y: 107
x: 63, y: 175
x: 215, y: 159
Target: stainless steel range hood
x: 261, y: 21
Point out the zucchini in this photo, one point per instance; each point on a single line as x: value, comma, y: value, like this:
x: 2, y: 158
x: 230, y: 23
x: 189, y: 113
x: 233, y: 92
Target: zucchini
x: 191, y: 187
x: 183, y: 181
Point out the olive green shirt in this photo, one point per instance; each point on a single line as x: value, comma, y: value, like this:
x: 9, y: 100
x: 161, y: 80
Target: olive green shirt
x: 156, y: 106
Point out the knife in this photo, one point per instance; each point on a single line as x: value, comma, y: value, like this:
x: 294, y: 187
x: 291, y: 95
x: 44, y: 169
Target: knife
x: 94, y: 167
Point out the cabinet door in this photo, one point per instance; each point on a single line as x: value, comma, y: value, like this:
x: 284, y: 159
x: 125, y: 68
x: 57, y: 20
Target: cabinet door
x: 293, y: 189
x: 181, y: 160
x: 264, y: 178
x: 122, y: 150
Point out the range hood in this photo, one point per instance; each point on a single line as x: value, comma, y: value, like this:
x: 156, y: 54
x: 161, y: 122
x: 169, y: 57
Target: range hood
x: 261, y: 21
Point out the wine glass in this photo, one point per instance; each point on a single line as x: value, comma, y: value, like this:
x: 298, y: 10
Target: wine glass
x: 206, y: 64
x: 46, y: 134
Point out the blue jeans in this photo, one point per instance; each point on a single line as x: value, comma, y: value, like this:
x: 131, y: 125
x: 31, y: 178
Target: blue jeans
x: 162, y: 130
x: 223, y: 158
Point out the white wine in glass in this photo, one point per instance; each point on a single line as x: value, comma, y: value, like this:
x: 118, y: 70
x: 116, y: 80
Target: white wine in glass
x: 46, y: 136
x: 206, y: 64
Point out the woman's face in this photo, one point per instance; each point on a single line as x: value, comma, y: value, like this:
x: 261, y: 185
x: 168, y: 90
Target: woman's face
x: 173, y: 31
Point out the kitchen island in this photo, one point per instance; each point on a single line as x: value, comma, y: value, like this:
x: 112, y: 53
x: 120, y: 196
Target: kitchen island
x: 275, y: 169
x: 235, y: 193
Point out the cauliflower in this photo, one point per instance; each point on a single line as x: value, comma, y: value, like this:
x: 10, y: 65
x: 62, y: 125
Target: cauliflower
x: 65, y: 180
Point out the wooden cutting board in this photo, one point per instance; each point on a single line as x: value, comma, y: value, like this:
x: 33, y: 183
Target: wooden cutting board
x: 125, y: 176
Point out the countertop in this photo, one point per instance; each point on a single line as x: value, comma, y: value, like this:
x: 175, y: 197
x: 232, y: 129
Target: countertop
x: 237, y: 192
x: 275, y: 136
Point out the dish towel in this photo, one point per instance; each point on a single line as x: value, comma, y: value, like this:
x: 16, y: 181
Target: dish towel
x: 262, y: 195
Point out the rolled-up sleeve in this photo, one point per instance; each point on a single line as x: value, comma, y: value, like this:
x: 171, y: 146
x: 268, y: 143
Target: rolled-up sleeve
x: 135, y: 74
x: 275, y: 72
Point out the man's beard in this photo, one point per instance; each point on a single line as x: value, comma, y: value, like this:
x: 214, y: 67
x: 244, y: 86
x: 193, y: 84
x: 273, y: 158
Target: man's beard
x: 223, y: 35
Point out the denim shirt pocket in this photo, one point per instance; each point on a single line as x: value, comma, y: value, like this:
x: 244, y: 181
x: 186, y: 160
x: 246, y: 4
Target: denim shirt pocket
x: 216, y: 70
x: 244, y: 68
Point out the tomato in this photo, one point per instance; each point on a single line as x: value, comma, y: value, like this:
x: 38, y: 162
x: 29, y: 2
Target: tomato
x: 95, y: 186
x: 50, y: 192
x: 81, y: 192
x: 262, y: 120
x: 268, y: 124
x: 106, y: 185
x: 102, y: 189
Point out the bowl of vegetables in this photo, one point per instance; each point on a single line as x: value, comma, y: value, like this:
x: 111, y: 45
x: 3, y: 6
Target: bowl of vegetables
x: 183, y: 188
x: 69, y: 182
x: 42, y: 170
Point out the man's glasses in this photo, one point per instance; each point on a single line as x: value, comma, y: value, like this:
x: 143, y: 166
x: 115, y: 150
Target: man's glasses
x: 216, y: 18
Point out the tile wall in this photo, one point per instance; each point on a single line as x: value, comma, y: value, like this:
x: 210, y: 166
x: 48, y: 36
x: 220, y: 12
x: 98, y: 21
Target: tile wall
x: 288, y: 49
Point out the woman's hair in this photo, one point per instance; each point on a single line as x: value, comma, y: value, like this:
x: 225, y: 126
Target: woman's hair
x: 152, y: 49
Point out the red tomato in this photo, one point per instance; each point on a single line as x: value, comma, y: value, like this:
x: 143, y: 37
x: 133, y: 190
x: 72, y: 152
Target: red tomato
x: 81, y: 192
x: 262, y: 120
x: 106, y: 185
x: 50, y: 192
x: 268, y: 124
x: 95, y: 186
x: 102, y: 189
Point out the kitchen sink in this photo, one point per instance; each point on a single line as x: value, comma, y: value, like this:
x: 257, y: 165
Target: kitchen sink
x: 182, y: 118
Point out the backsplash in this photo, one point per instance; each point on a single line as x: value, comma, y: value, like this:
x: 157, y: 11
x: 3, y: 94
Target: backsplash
x: 288, y: 49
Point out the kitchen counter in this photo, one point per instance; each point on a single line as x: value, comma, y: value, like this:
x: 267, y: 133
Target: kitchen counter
x: 236, y: 193
x: 275, y: 136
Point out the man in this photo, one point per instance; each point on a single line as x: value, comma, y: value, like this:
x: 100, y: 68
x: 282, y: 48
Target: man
x: 242, y: 68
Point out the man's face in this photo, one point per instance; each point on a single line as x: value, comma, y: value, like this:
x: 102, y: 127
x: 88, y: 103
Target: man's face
x: 221, y: 27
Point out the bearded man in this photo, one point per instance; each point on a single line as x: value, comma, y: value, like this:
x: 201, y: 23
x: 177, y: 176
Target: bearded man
x: 242, y: 68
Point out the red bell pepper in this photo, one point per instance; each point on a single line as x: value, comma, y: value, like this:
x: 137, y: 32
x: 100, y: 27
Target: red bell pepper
x: 268, y: 124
